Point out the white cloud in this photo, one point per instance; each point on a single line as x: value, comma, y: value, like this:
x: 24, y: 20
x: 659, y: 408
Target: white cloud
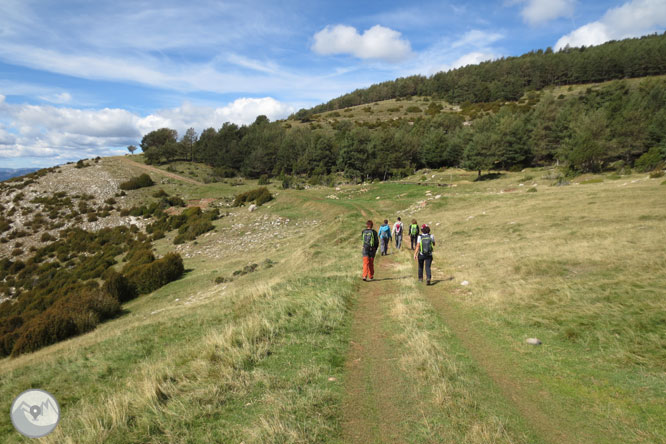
x: 477, y: 38
x: 64, y: 97
x: 377, y: 42
x: 473, y: 58
x: 473, y: 47
x: 64, y: 134
x: 537, y: 12
x: 632, y: 19
x: 6, y: 138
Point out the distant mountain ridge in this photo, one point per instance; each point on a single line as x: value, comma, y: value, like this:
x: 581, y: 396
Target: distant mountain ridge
x: 8, y: 173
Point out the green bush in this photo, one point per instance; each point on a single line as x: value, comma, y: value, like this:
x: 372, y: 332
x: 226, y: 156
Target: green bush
x: 119, y: 287
x: 224, y: 172
x: 137, y: 182
x: 78, y: 313
x: 532, y: 190
x: 656, y: 174
x: 413, y: 109
x: 649, y: 161
x: 263, y: 180
x: 160, y: 193
x: 149, y: 277
x: 259, y: 196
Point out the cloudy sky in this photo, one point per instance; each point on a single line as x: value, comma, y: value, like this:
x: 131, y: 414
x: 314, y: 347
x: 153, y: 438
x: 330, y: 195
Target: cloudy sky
x: 80, y: 79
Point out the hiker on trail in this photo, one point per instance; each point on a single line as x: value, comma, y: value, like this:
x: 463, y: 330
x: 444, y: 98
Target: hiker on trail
x: 414, y: 233
x: 423, y: 253
x: 397, y: 233
x: 370, y: 243
x: 384, y: 237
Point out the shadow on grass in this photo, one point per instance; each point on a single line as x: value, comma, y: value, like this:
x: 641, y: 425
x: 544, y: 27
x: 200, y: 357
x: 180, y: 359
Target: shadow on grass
x: 437, y: 281
x: 390, y: 279
x: 489, y: 176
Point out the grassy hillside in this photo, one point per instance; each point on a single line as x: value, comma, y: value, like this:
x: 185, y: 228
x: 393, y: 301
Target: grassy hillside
x: 411, y: 108
x: 300, y: 350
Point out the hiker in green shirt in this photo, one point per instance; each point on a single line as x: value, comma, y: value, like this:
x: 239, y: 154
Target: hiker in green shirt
x: 414, y: 233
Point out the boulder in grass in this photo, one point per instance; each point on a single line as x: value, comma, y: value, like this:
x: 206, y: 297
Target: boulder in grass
x: 533, y: 341
x: 252, y: 208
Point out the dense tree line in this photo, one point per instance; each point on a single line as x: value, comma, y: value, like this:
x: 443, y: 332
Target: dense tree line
x: 509, y: 78
x: 587, y: 131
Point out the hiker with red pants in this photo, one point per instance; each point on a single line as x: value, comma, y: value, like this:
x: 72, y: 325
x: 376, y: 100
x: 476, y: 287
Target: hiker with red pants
x: 414, y: 233
x: 370, y: 244
x: 423, y: 253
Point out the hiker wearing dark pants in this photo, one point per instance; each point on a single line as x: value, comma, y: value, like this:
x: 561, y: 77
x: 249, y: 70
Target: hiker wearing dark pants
x: 384, y: 237
x: 370, y: 243
x: 397, y: 233
x: 423, y: 253
x: 414, y: 233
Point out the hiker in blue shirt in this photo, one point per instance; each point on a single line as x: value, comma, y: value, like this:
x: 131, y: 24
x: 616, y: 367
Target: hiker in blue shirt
x: 384, y: 237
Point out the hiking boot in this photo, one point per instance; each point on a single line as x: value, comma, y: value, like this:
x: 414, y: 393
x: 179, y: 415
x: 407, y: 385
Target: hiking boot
x: 420, y: 279
x: 371, y: 279
x: 364, y: 278
x: 428, y: 282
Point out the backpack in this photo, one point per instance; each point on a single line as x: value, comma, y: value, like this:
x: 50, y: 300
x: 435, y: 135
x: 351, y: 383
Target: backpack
x: 426, y: 245
x: 368, y: 239
x: 384, y: 231
x: 398, y: 229
x: 413, y: 229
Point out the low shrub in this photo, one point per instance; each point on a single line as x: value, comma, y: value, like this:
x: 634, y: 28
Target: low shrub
x: 246, y: 270
x: 47, y: 237
x: 149, y: 277
x: 259, y: 196
x: 532, y: 190
x: 137, y: 182
x: 118, y: 286
x: 78, y: 313
x: 656, y: 174
x: 160, y: 193
x: 649, y: 161
x: 263, y: 180
x: 223, y: 172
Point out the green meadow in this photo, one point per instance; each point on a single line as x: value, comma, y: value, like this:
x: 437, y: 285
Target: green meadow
x: 301, y: 350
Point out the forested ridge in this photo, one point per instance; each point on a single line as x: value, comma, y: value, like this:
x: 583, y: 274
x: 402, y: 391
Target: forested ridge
x: 510, y: 118
x: 507, y: 79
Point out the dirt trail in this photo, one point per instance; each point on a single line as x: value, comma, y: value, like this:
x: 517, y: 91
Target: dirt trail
x: 373, y: 385
x: 530, y: 399
x: 162, y: 172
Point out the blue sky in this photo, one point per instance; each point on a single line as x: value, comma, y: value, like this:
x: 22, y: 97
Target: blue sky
x: 80, y: 79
